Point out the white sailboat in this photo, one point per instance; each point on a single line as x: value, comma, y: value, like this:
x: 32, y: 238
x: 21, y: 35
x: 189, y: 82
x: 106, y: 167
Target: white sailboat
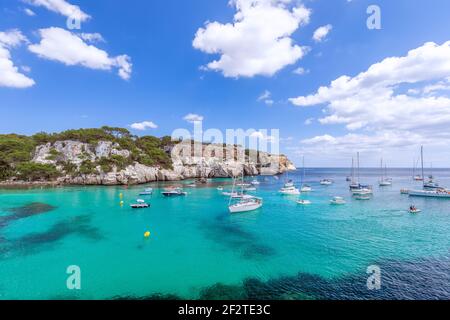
x: 289, y: 188
x: 384, y: 180
x: 246, y: 203
x: 305, y: 187
x: 356, y: 187
x: 416, y: 177
x: 436, y: 193
x: 353, y: 183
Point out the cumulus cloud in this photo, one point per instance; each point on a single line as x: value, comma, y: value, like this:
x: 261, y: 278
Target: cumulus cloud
x: 321, y: 33
x: 397, y: 102
x: 192, y: 118
x: 300, y: 71
x: 69, y: 48
x: 9, y: 73
x: 258, y: 41
x: 62, y: 7
x: 144, y: 125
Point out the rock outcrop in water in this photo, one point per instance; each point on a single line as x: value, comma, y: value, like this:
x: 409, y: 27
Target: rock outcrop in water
x: 213, y: 163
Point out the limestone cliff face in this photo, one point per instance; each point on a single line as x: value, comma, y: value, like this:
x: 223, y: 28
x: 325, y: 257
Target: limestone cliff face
x: 185, y: 165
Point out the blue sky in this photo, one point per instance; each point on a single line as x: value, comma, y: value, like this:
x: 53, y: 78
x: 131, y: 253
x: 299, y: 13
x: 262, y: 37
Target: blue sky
x: 167, y: 82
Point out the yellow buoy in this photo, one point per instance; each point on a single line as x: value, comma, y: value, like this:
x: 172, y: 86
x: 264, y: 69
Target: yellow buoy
x: 147, y: 234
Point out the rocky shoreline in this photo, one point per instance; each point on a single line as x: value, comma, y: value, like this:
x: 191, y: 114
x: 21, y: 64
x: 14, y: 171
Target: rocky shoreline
x: 184, y: 167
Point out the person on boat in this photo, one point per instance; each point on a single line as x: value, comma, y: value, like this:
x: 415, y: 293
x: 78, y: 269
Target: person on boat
x: 412, y: 208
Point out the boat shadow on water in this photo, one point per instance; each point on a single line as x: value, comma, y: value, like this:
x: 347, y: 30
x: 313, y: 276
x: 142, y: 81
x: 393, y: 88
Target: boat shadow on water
x: 36, y: 242
x: 26, y: 211
x: 233, y: 237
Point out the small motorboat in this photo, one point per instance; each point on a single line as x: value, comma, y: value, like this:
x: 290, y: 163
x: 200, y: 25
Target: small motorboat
x: 304, y: 202
x: 192, y: 185
x: 414, y: 210
x: 363, y: 190
x: 363, y: 197
x: 431, y: 185
x: 243, y: 184
x: 140, y: 204
x: 146, y: 192
x: 338, y: 201
x: 246, y: 204
x: 220, y: 188
x: 174, y: 192
x: 290, y: 191
x: 385, y: 183
x: 250, y: 189
x: 326, y: 182
x: 306, y: 188
x: 255, y: 182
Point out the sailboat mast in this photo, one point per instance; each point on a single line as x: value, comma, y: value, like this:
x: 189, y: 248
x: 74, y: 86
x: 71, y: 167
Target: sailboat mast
x: 358, y: 167
x: 421, y: 157
x: 381, y: 167
x: 353, y: 170
x: 303, y: 175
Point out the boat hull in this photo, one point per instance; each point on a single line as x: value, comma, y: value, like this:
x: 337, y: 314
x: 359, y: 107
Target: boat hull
x: 170, y: 195
x: 429, y: 194
x: 246, y: 208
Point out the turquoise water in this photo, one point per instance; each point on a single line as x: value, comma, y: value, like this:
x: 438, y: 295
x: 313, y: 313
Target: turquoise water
x: 195, y: 243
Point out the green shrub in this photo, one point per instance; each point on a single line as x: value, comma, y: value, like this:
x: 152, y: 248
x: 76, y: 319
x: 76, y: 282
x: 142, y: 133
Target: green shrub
x: 53, y: 154
x: 87, y: 167
x: 30, y: 171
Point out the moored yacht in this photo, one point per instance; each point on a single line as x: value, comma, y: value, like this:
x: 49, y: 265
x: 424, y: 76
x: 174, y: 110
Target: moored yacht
x: 338, y: 201
x: 246, y: 204
x: 289, y: 189
x: 326, y: 182
x: 430, y: 189
x: 174, y: 192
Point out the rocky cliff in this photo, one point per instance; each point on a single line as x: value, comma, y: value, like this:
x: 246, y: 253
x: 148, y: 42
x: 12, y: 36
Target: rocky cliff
x: 212, y: 164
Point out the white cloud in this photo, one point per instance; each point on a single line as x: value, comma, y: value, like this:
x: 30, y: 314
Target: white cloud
x: 9, y: 73
x: 66, y: 47
x: 145, y: 125
x: 62, y: 7
x: 26, y: 69
x: 92, y: 37
x: 192, y: 117
x: 321, y: 33
x: 258, y: 40
x: 300, y: 71
x: 265, y: 97
x: 29, y: 12
x: 396, y: 103
x: 309, y: 121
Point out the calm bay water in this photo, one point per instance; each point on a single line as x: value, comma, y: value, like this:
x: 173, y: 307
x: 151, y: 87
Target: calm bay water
x: 198, y: 250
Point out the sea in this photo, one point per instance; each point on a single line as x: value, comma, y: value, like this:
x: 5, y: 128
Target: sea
x: 198, y: 250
